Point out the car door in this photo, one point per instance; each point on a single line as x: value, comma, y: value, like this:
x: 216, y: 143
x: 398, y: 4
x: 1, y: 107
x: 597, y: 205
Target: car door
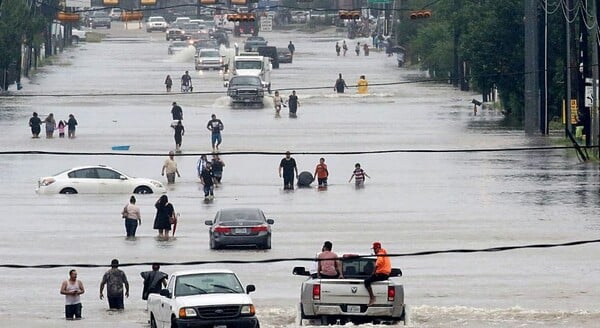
x: 166, y: 303
x: 109, y: 181
x: 84, y: 181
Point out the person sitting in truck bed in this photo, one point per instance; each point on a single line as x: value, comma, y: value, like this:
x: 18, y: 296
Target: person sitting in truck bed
x: 329, y: 266
x: 383, y: 268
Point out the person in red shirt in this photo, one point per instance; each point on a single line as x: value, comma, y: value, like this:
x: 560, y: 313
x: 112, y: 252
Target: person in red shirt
x: 383, y: 268
x: 321, y: 173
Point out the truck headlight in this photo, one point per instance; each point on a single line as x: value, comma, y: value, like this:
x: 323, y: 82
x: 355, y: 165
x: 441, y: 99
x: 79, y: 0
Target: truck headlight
x: 248, y: 309
x: 187, y: 312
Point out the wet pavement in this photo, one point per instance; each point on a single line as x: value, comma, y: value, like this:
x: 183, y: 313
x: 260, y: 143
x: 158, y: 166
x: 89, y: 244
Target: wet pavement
x: 413, y: 201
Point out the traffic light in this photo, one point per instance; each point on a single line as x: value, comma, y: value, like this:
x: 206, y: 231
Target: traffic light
x: 208, y: 2
x: 420, y: 14
x: 110, y: 2
x: 241, y: 17
x: 349, y: 14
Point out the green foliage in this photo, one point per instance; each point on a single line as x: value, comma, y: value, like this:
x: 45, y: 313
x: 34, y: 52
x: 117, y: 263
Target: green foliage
x: 12, y: 24
x: 20, y: 25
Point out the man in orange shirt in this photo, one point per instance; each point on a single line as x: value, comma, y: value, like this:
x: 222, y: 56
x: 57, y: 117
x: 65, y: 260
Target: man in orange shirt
x: 321, y: 173
x: 383, y: 268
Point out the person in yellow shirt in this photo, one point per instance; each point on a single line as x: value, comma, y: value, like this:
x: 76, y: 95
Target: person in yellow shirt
x: 363, y: 85
x: 383, y: 268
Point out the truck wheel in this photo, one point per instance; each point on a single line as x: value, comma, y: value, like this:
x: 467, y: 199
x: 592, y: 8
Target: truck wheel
x: 174, y: 323
x: 152, y: 321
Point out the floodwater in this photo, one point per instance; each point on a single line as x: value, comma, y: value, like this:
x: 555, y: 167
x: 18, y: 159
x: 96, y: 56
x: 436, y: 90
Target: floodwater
x: 413, y: 202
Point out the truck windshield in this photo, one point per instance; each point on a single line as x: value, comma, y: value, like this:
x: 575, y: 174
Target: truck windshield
x: 248, y: 64
x: 207, y: 283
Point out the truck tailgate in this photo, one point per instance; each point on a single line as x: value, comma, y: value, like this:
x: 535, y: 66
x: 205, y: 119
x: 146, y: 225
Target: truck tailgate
x: 351, y: 291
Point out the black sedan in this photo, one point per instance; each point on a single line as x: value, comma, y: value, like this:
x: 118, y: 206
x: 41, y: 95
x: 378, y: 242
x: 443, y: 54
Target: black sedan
x: 284, y: 55
x: 240, y: 227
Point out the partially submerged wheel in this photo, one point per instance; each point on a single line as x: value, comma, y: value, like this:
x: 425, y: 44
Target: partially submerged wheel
x: 68, y: 191
x: 142, y: 190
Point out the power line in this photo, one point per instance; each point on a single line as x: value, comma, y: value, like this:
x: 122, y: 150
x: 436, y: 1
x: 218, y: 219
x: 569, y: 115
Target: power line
x: 308, y: 259
x: 242, y: 153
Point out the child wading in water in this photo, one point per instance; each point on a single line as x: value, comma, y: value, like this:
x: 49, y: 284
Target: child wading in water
x: 61, y: 129
x: 359, y: 176
x: 277, y: 102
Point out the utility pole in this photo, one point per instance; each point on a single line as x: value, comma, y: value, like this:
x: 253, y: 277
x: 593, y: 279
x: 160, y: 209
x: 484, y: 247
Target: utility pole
x: 568, y: 126
x: 584, y: 71
x: 532, y: 82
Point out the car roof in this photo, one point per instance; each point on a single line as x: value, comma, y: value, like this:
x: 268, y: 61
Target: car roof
x: 241, y: 209
x: 200, y: 271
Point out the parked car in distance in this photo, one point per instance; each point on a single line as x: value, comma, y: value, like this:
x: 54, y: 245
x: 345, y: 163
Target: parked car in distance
x: 284, y: 55
x: 240, y: 227
x: 156, y: 23
x: 203, y: 298
x: 78, y: 35
x: 99, y: 19
x: 97, y: 179
x: 115, y: 14
x: 177, y: 46
x: 270, y: 52
x: 208, y: 59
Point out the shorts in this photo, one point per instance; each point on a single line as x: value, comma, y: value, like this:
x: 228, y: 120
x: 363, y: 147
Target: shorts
x: 216, y: 138
x: 375, y: 277
x: 322, y: 182
x: 73, y: 311
x: 359, y: 183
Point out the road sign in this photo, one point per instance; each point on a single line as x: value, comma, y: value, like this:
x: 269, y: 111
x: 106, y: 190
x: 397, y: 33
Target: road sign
x: 266, y: 23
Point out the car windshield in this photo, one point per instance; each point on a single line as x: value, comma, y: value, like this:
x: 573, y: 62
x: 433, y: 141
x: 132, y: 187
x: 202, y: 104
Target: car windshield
x: 248, y: 64
x: 207, y: 283
x: 241, y: 216
x: 156, y: 19
x: 245, y: 80
x: 191, y: 27
x: 212, y: 53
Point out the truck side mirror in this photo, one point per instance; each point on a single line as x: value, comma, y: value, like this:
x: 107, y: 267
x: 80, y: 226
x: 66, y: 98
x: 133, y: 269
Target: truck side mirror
x: 270, y: 221
x: 396, y: 272
x: 300, y: 271
x: 208, y: 222
x: 250, y: 289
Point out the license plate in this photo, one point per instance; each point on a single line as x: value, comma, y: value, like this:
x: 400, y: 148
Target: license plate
x: 353, y: 308
x: 240, y: 230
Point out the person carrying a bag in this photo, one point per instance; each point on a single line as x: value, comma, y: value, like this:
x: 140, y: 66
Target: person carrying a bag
x: 132, y: 216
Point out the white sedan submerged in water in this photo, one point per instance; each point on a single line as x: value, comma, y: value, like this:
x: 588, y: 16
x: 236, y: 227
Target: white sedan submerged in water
x: 97, y: 179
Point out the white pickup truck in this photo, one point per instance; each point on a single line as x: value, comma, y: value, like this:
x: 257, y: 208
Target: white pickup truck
x: 203, y: 298
x: 338, y: 301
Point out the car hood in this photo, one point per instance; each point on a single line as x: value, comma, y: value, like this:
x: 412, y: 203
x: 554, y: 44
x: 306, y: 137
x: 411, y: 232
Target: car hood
x: 213, y: 299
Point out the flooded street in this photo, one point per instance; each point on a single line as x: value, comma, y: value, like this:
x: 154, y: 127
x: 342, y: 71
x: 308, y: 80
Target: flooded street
x: 414, y: 201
